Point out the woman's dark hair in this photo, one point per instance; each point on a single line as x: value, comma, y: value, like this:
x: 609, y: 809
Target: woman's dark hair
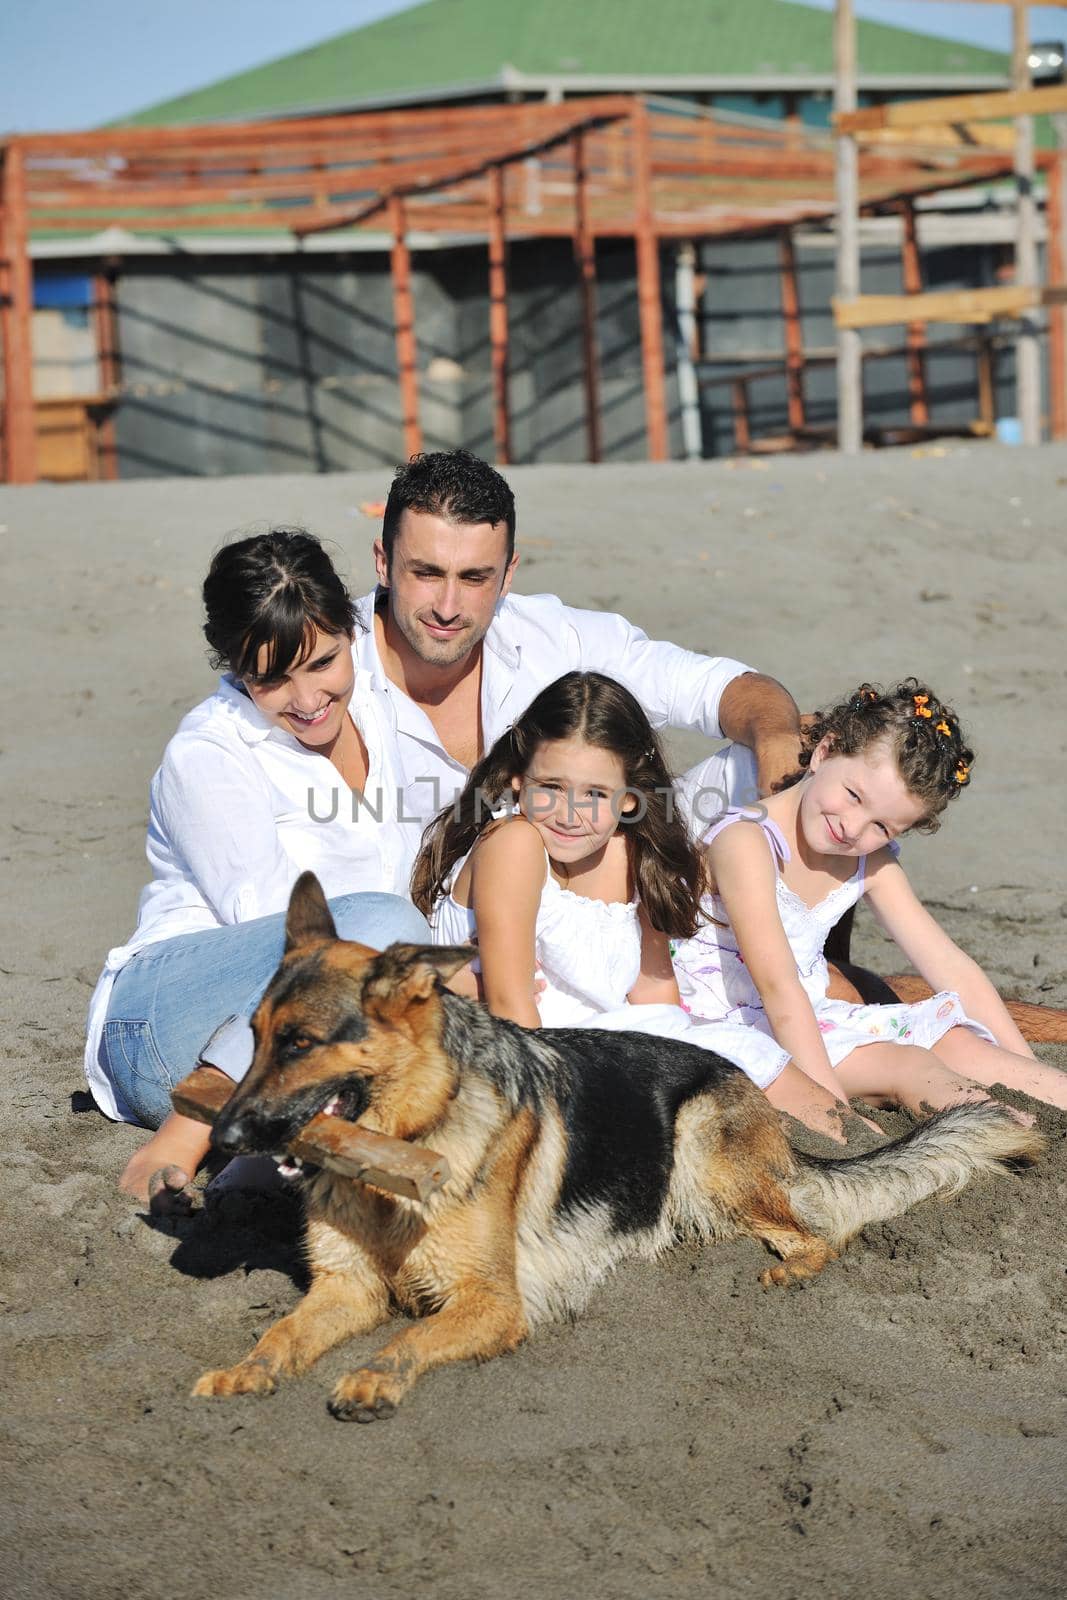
x: 666, y: 865
x: 453, y: 484
x: 922, y: 733
x: 269, y: 593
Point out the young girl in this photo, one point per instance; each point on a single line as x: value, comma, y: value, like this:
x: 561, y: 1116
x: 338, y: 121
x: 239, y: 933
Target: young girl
x: 587, y: 877
x: 874, y: 767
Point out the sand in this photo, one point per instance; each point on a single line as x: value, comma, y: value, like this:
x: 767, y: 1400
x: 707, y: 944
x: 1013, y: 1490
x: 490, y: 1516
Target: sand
x: 897, y: 1428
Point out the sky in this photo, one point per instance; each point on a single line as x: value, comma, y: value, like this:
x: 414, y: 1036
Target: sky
x: 77, y: 63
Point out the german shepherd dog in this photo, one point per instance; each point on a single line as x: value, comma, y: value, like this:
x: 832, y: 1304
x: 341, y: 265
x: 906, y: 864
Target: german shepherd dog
x: 570, y: 1150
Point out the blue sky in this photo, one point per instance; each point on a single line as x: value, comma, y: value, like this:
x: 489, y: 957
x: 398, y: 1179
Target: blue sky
x: 75, y: 63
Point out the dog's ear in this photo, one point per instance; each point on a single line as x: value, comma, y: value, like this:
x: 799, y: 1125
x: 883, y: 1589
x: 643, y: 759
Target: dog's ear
x: 407, y: 972
x: 308, y: 918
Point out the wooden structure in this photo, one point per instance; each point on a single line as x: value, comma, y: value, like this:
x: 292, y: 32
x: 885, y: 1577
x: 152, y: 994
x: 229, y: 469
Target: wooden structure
x: 328, y: 1141
x: 950, y: 121
x: 604, y: 167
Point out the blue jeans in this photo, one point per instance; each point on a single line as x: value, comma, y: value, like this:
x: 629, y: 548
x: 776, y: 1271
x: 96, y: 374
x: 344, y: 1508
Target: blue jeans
x: 173, y: 997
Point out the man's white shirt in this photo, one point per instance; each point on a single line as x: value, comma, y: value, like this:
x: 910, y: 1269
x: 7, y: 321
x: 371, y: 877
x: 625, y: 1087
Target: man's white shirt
x: 532, y: 641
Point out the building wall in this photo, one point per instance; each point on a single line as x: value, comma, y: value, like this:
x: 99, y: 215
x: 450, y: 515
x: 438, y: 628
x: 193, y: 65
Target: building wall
x: 249, y: 365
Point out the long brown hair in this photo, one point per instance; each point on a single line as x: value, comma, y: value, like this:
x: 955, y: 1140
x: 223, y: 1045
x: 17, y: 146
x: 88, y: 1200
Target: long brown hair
x: 665, y: 863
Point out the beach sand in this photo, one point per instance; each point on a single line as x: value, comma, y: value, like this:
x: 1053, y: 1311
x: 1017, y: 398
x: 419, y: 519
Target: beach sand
x: 898, y: 1428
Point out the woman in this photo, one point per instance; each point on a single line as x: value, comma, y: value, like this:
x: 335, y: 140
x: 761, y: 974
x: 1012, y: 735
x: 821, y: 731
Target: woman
x: 285, y: 767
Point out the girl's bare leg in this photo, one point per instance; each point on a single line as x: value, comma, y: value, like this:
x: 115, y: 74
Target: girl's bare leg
x: 987, y: 1063
x: 904, y: 1075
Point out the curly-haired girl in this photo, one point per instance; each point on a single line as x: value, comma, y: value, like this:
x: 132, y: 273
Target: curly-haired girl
x: 874, y: 767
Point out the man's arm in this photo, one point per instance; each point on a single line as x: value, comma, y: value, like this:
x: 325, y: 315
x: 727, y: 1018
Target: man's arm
x: 757, y: 712
x: 681, y: 689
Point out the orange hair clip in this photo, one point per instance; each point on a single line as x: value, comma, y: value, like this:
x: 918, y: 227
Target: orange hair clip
x: 944, y: 728
x: 963, y: 772
x: 921, y: 707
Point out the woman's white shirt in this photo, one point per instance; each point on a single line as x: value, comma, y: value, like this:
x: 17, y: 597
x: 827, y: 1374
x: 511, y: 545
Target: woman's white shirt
x: 237, y: 810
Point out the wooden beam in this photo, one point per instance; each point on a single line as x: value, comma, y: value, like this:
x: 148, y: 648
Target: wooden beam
x: 742, y: 428
x: 498, y: 314
x: 211, y: 138
x: 585, y: 255
x: 404, y: 318
x: 1057, y: 335
x: 846, y: 187
x: 976, y: 136
x: 1056, y: 271
x: 1027, y: 346
x: 16, y: 324
x: 446, y: 174
x: 106, y: 333
x: 952, y: 305
x: 912, y: 279
x: 991, y: 106
x: 649, y: 295
x: 987, y: 399
x: 794, y: 335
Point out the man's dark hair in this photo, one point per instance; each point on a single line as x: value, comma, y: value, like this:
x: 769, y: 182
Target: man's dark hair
x: 452, y: 484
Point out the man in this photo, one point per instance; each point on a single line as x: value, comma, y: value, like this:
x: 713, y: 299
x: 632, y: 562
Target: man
x: 457, y: 657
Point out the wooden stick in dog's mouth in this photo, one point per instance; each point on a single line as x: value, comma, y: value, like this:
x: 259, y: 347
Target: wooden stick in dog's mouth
x: 331, y: 1142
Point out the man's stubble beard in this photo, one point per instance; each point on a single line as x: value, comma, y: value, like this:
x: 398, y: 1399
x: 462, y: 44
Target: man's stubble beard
x: 439, y: 653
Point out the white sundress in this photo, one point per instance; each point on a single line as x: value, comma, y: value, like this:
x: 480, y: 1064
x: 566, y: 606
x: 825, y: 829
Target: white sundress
x: 589, y: 954
x: 716, y: 985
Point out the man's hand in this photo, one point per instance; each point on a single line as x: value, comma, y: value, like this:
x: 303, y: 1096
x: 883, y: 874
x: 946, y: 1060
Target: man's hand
x: 756, y: 711
x: 776, y: 758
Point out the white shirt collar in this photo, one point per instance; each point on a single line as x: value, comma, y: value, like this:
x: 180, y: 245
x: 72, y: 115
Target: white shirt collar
x: 249, y: 721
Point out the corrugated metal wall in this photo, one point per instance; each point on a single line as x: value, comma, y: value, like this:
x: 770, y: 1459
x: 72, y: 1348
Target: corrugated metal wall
x: 249, y: 365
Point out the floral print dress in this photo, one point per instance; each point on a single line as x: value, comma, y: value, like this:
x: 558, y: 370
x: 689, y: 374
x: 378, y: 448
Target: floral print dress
x: 716, y: 985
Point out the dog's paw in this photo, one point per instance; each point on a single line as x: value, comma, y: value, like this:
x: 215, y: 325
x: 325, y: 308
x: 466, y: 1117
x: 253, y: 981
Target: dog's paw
x: 365, y: 1396
x: 248, y: 1377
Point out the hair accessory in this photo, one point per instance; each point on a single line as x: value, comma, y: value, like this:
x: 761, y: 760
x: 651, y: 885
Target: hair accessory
x: 963, y: 772
x: 922, y: 709
x: 943, y: 728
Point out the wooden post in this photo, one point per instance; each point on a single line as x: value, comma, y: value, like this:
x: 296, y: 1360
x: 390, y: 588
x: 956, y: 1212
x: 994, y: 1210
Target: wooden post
x: 585, y: 254
x: 106, y: 329
x: 987, y: 415
x: 742, y: 428
x: 404, y: 318
x: 498, y: 314
x: 1027, y: 349
x: 685, y: 260
x: 846, y: 171
x: 912, y: 278
x: 1056, y: 267
x: 649, y: 298
x: 16, y: 325
x: 794, y: 334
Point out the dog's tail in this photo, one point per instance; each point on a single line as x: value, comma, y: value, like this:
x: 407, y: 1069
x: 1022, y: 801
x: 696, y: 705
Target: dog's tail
x: 836, y: 1198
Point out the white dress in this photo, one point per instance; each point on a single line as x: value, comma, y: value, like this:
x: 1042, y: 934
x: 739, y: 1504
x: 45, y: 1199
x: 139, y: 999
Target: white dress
x: 716, y: 985
x: 589, y: 954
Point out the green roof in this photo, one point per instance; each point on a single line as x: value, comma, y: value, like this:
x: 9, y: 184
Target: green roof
x: 448, y: 48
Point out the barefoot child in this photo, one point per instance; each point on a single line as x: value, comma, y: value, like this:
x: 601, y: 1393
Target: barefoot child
x: 874, y: 767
